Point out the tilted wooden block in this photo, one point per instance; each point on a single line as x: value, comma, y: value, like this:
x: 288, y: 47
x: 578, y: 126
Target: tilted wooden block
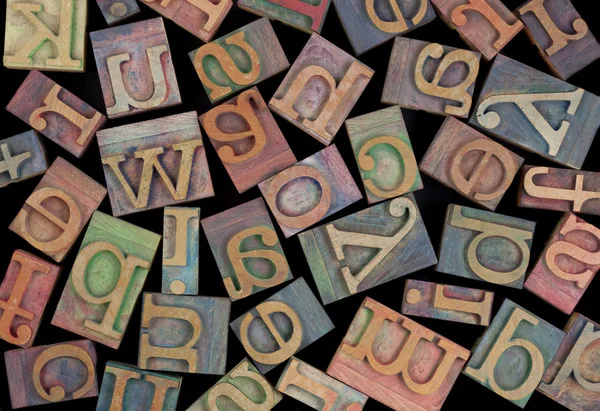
x: 246, y: 249
x: 45, y: 35
x: 106, y: 280
x: 485, y: 25
x: 310, y: 190
x: 116, y: 11
x: 474, y: 165
x: 58, y: 209
x: 172, y: 146
x: 56, y: 113
x: 571, y: 377
x: 125, y: 387
x: 321, y: 88
x: 181, y: 333
x: 367, y: 248
x: 514, y: 353
x: 23, y: 157
x: 135, y: 68
x: 396, y: 361
x: 240, y: 59
x: 519, y: 105
x: 51, y: 373
x: 247, y: 139
x: 452, y: 72
x: 284, y: 324
x: 561, y: 35
x: 447, y: 302
x: 181, y: 250
x: 305, y: 16
x: 485, y: 246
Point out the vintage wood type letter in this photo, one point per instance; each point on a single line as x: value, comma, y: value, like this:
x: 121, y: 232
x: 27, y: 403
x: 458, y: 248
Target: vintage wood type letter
x: 22, y: 156
x: 116, y: 11
x: 302, y: 15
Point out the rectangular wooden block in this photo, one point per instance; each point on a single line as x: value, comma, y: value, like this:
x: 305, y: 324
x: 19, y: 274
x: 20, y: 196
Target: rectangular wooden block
x: 520, y: 105
x: 23, y: 157
x: 561, y: 35
x: 247, y: 249
x: 181, y: 333
x: 106, y: 280
x: 485, y: 246
x: 116, y: 11
x: 181, y: 250
x: 514, y: 353
x: 384, y: 154
x: 247, y: 139
x: 262, y: 58
x: 135, y: 68
x: 570, y: 378
x: 472, y: 164
x: 396, y: 361
x: 45, y: 35
x: 447, y: 302
x: 485, y: 25
x: 287, y: 322
x: 305, y: 16
x: 367, y: 248
x: 125, y: 387
x: 56, y: 113
x: 58, y: 209
x: 310, y: 190
x: 172, y: 146
x: 51, y: 373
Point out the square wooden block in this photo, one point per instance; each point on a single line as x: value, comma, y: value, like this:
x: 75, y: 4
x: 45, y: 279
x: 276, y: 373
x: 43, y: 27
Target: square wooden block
x: 247, y: 249
x: 23, y: 157
x: 135, y: 68
x: 116, y: 11
x: 173, y: 167
x: 106, y: 280
x: 321, y: 88
x: 305, y: 16
x: 309, y: 191
x: 58, y: 209
x: 247, y: 139
x: 181, y: 250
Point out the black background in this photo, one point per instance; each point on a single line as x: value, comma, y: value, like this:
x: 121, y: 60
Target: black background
x: 433, y: 200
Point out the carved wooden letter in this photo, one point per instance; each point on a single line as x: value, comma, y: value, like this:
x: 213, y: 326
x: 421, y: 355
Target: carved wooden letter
x: 180, y: 250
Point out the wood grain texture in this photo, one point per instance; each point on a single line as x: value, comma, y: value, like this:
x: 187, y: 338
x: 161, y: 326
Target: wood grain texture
x: 282, y: 325
x: 23, y: 157
x: 172, y: 146
x: 309, y: 191
x: 117, y: 11
x: 514, y: 353
x: 396, y: 361
x: 58, y: 209
x: 181, y: 250
x: 472, y: 164
x: 247, y: 139
x: 321, y: 88
x: 106, y: 280
x: 308, y: 17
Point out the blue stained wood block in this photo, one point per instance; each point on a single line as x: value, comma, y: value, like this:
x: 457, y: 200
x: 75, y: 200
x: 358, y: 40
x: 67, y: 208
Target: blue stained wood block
x: 22, y: 156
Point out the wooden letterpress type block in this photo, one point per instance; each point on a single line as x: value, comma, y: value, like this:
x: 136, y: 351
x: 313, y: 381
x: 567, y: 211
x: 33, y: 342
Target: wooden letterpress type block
x: 181, y: 254
x: 561, y: 35
x: 56, y: 113
x: 247, y: 139
x: 51, y: 373
x: 384, y: 154
x: 247, y: 249
x: 305, y: 16
x: 181, y: 333
x: 173, y: 168
x: 485, y: 246
x: 125, y: 387
x: 310, y: 191
x: 45, y: 35
x: 243, y: 386
x: 240, y: 59
x: 474, y: 165
x: 321, y: 89
x: 447, y: 302
x: 396, y: 361
x: 485, y: 25
x: 519, y: 105
x: 23, y: 157
x: 514, y: 353
x: 571, y: 379
x: 135, y: 68
x: 368, y: 248
x: 106, y: 280
x: 115, y: 11
x: 24, y: 293
x: 282, y: 325
x: 58, y: 209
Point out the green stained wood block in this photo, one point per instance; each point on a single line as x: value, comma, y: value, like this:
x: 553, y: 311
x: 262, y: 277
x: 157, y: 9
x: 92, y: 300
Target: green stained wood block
x: 307, y: 16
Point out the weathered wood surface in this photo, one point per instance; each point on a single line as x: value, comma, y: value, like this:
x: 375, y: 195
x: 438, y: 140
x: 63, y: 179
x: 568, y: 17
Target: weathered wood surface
x: 116, y: 11
x: 305, y: 16
x: 23, y: 157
